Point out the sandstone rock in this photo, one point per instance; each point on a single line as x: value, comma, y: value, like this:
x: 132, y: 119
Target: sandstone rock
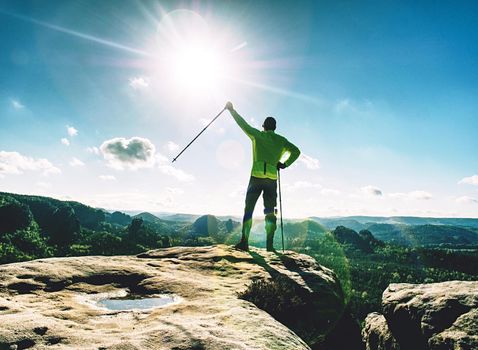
x: 438, y: 316
x: 377, y: 335
x: 52, y: 301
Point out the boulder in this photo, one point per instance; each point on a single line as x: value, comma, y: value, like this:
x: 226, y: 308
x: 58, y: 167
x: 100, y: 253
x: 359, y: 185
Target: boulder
x: 377, y: 335
x: 55, y: 301
x: 437, y: 316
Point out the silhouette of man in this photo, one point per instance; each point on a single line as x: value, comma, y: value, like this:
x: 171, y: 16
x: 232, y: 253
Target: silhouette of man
x: 267, y: 150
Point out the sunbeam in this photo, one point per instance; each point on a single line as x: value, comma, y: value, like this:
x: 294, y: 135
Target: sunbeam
x: 77, y: 34
x: 283, y: 92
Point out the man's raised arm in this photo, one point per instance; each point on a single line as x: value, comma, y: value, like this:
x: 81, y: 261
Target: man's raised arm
x: 249, y: 130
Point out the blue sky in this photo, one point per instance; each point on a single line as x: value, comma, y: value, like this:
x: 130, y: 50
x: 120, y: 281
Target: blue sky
x: 96, y: 98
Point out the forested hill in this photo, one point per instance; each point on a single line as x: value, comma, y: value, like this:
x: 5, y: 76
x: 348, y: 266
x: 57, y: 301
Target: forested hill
x: 361, y: 222
x: 35, y: 227
x: 412, y: 232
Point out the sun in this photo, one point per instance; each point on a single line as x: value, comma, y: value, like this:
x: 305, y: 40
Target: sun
x: 193, y: 57
x: 197, y: 66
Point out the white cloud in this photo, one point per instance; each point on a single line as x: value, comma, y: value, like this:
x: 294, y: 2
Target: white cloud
x: 330, y: 192
x: 471, y: 180
x: 16, y: 104
x: 107, y: 177
x: 177, y: 173
x: 300, y: 185
x: 133, y: 153
x: 65, y: 141
x: 71, y: 131
x: 161, y: 160
x: 93, y: 150
x: 175, y: 190
x: 421, y: 195
x: 16, y: 163
x: 75, y: 162
x: 139, y: 83
x: 371, y: 191
x: 309, y: 162
x: 466, y: 199
x: 171, y: 147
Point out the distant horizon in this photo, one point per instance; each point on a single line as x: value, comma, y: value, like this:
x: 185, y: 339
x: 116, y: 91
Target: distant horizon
x: 239, y: 216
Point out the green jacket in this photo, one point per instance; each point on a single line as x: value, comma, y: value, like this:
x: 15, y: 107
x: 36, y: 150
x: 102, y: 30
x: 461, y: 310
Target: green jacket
x: 267, y: 149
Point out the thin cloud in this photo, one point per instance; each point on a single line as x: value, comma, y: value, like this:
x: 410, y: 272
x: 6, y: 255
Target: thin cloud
x: 16, y: 104
x: 16, y: 163
x: 65, y: 141
x: 93, y: 150
x: 171, y: 147
x: 177, y: 173
x: 420, y: 195
x: 71, y: 131
x: 371, y: 191
x: 471, y: 180
x: 75, y: 162
x: 166, y: 168
x: 309, y: 162
x: 134, y: 153
x: 330, y: 192
x: 240, y: 46
x: 175, y: 190
x: 301, y: 185
x: 347, y: 106
x: 107, y: 177
x: 139, y: 83
x: 466, y: 200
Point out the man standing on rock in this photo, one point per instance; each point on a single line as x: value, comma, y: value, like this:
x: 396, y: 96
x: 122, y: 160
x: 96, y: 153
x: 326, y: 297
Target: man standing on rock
x: 267, y: 150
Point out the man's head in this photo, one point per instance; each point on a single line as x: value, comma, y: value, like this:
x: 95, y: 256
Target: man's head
x: 269, y: 124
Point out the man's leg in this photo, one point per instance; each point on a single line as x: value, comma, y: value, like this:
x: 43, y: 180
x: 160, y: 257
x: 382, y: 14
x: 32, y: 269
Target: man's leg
x: 253, y: 193
x: 270, y: 202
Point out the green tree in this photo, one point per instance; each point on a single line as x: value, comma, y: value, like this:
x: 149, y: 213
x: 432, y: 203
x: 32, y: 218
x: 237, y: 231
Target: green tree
x: 14, y: 216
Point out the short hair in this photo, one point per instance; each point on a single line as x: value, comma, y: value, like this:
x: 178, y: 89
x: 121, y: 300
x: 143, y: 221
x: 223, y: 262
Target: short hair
x: 269, y: 124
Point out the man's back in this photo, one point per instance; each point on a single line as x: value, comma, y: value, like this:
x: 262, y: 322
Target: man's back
x: 267, y: 149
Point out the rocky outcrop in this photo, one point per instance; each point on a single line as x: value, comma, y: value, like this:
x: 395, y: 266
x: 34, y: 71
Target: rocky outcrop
x: 54, y: 301
x: 436, y: 316
x: 376, y: 333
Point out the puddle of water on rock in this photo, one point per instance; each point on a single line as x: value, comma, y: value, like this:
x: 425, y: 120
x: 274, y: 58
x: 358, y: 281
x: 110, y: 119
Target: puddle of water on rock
x: 134, y: 302
x: 122, y: 300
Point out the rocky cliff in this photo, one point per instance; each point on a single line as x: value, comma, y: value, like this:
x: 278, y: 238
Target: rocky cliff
x: 57, y: 302
x: 436, y: 316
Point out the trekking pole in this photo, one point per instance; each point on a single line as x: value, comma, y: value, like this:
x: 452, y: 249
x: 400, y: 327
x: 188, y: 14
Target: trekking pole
x: 280, y: 207
x: 194, y: 139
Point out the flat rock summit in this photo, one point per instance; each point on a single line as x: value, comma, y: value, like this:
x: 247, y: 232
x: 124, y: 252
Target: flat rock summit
x: 54, y: 303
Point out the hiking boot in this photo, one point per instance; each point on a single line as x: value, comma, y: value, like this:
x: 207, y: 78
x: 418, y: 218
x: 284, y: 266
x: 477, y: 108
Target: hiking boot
x: 242, y: 245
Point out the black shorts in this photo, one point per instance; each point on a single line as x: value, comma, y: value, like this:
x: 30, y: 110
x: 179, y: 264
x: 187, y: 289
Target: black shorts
x: 257, y: 186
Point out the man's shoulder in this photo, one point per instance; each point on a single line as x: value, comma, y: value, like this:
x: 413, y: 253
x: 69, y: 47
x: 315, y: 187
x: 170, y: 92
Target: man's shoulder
x: 280, y: 137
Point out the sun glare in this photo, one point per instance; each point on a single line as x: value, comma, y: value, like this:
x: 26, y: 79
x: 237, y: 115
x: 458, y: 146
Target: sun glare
x: 197, y: 67
x: 194, y: 57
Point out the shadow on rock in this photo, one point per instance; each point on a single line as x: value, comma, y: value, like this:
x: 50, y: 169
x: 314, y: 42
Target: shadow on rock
x: 305, y: 298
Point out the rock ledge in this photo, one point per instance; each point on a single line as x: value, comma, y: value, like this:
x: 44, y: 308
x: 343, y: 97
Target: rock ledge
x: 51, y: 301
